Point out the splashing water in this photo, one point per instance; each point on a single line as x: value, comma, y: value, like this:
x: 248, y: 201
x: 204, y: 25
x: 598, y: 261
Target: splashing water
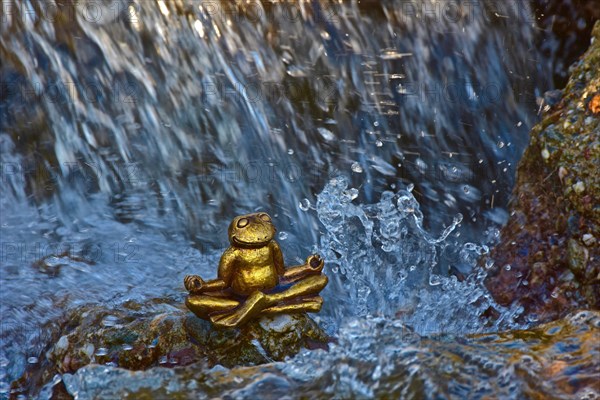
x: 383, y: 262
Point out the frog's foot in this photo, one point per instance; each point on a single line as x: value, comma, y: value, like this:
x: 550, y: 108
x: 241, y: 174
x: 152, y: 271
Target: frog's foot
x: 308, y: 304
x: 203, y: 305
x: 310, y: 285
x: 253, y: 306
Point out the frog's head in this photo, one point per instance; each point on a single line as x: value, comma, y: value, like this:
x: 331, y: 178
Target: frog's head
x: 251, y: 230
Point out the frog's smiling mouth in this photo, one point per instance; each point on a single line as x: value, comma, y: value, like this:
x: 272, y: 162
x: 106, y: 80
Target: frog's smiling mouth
x: 242, y: 243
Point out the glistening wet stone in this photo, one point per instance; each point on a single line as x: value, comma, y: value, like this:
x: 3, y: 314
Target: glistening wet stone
x: 166, y: 335
x: 550, y: 240
x: 381, y: 358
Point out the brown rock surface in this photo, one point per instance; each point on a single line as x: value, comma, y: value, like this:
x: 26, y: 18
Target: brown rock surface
x: 549, y: 259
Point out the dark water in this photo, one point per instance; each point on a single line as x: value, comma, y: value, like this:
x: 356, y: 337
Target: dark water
x: 132, y: 132
x: 566, y: 27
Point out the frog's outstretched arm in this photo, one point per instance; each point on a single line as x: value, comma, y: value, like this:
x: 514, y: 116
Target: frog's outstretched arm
x: 313, y: 266
x: 277, y: 258
x: 195, y: 285
x: 225, y: 271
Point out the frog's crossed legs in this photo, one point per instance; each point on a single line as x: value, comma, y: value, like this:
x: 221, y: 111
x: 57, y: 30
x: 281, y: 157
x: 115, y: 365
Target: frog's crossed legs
x: 225, y: 311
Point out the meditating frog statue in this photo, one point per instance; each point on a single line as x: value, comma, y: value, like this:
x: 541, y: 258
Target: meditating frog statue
x: 252, y: 279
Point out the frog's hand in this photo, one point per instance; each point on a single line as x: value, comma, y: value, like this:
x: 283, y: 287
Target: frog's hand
x: 313, y: 266
x: 193, y: 284
x: 315, y: 262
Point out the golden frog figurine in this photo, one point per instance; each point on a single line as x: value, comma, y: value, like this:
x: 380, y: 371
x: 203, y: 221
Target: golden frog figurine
x: 252, y: 279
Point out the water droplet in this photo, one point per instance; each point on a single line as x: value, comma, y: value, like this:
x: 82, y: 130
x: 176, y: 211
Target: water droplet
x: 290, y: 152
x: 352, y: 193
x: 500, y: 144
x: 4, y: 387
x: 466, y: 189
x: 402, y: 275
x: 102, y: 351
x: 282, y: 235
x: 421, y: 165
x: 326, y: 134
x: 304, y: 204
x: 32, y: 360
x: 162, y: 360
x: 412, y: 268
x: 377, y: 373
x: 127, y: 347
x: 435, y: 280
x: 56, y: 379
x: 376, y: 123
x: 296, y: 72
x: 507, y: 267
x: 109, y: 320
x: 356, y: 168
x: 532, y: 317
x: 410, y: 187
x: 378, y: 143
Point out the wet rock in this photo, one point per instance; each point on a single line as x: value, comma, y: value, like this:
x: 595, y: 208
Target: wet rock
x: 555, y: 214
x: 577, y: 257
x: 177, y: 337
x: 52, y: 264
x: 379, y: 358
x: 264, y: 340
x: 162, y: 333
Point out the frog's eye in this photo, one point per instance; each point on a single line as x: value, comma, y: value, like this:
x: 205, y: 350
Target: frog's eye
x: 242, y: 222
x: 265, y: 217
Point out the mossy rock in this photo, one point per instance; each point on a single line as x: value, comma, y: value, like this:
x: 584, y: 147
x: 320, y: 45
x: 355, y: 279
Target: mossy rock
x: 165, y: 334
x: 264, y: 340
x: 177, y: 337
x: 378, y: 359
x: 548, y: 259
